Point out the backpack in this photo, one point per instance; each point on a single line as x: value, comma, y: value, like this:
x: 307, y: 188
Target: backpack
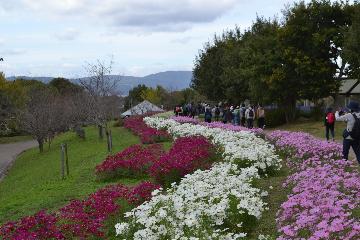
x: 330, y: 118
x: 217, y: 111
x: 355, y: 132
x: 243, y: 110
x: 251, y: 113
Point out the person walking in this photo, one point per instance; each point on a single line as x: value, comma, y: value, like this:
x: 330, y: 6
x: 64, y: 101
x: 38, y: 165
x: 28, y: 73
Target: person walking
x: 242, y: 115
x: 351, y: 134
x: 217, y: 113
x: 229, y: 115
x: 260, y: 113
x: 250, y: 115
x: 329, y: 123
x: 237, y: 115
x: 208, y: 115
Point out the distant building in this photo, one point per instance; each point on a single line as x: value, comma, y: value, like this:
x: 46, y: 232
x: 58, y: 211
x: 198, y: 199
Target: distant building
x: 349, y: 90
x: 141, y: 109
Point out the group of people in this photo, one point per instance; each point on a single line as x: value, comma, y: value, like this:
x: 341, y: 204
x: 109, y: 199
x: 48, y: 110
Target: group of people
x: 238, y: 115
x: 351, y: 134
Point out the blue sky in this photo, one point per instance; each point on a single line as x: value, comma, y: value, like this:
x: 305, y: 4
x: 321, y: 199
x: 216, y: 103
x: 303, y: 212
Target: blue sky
x: 57, y: 37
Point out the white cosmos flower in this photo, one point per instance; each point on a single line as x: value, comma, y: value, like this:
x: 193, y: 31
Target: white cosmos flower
x: 200, y: 204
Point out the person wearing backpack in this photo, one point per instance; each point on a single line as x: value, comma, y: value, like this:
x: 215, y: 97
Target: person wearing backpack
x: 260, y: 113
x: 237, y: 115
x: 208, y: 115
x: 352, y: 132
x: 217, y: 113
x: 329, y: 123
x: 250, y: 115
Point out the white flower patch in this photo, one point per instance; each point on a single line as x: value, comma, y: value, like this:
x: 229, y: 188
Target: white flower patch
x: 207, y: 204
x: 197, y: 207
x: 241, y: 145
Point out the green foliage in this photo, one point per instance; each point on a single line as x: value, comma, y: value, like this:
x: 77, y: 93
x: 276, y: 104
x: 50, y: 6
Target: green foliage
x: 161, y: 96
x: 281, y: 63
x: 352, y: 44
x: 135, y: 96
x: 34, y: 182
x: 64, y: 86
x: 119, y: 122
x: 275, y: 117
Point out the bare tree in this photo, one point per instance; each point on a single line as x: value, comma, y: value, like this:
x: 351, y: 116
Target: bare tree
x: 99, y: 85
x: 38, y: 116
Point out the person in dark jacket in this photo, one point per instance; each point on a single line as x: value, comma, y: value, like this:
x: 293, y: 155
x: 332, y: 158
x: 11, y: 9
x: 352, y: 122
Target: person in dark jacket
x: 350, y: 118
x: 242, y: 115
x: 228, y: 115
x: 208, y: 115
x: 329, y: 123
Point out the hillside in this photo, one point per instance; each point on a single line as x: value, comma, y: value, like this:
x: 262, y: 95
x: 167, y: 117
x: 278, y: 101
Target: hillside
x: 172, y: 80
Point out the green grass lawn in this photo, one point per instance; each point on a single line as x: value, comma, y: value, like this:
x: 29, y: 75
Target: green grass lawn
x: 34, y: 182
x: 315, y: 128
x: 4, y: 140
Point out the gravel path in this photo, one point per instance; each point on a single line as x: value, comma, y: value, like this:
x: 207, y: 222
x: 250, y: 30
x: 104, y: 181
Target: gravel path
x: 9, y: 152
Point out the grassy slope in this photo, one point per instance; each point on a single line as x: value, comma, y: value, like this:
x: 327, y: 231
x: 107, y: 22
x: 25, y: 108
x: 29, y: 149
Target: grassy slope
x: 34, y: 181
x: 266, y: 225
x: 4, y: 140
x: 315, y: 128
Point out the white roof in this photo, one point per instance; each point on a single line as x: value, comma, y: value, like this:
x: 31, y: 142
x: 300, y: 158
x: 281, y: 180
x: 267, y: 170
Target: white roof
x: 142, y: 108
x: 349, y: 86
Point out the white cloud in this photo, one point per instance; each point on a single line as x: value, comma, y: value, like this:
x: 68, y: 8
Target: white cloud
x: 67, y: 35
x: 146, y: 15
x: 10, y: 52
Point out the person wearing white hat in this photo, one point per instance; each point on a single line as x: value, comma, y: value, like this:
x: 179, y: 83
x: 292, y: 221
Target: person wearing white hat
x: 352, y: 132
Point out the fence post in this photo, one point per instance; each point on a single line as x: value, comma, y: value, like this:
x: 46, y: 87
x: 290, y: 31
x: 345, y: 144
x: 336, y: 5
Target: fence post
x: 62, y: 156
x: 111, y: 142
x: 108, y: 140
x: 66, y: 159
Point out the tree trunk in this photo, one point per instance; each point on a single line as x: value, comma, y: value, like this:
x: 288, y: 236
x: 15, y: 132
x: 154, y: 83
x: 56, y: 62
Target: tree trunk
x: 290, y: 110
x: 41, y: 145
x: 101, y: 134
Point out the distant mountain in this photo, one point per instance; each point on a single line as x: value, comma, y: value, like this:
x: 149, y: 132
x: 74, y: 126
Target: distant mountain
x: 171, y: 80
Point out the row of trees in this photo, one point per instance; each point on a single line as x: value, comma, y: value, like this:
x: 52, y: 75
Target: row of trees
x: 44, y: 110
x: 302, y: 56
x: 162, y: 97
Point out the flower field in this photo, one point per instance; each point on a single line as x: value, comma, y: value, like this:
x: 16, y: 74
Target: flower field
x: 146, y: 134
x: 325, y: 190
x: 218, y: 203
x: 205, y: 187
x: 79, y: 219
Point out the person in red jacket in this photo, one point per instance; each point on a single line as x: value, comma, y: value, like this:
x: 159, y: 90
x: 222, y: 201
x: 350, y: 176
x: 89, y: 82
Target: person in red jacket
x: 329, y: 123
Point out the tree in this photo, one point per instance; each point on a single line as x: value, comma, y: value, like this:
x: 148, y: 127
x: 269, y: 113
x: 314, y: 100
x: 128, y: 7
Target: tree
x: 311, y: 41
x: 135, y: 96
x: 99, y: 84
x: 38, y: 118
x: 208, y: 69
x: 64, y: 86
x: 7, y: 111
x: 352, y: 44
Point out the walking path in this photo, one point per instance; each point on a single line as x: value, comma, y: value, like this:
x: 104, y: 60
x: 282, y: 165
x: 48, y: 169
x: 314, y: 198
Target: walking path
x: 352, y: 155
x: 9, y: 152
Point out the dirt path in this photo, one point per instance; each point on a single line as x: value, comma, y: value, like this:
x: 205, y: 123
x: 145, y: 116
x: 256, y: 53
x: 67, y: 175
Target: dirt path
x: 9, y: 152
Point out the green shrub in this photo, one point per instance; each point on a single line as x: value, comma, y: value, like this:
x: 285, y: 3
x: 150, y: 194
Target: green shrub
x: 275, y: 117
x: 119, y: 123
